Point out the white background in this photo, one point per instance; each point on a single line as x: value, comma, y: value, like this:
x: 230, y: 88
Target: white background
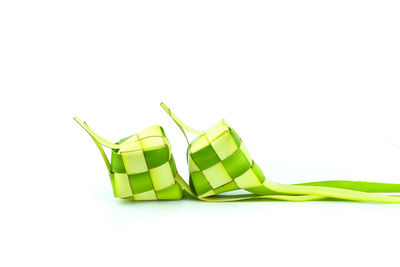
x: 311, y: 87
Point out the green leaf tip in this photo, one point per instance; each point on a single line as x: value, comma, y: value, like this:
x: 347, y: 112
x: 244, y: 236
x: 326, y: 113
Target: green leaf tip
x: 95, y: 136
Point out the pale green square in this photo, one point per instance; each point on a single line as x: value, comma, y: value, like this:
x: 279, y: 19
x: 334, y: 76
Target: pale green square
x: 217, y: 175
x: 247, y: 180
x: 148, y: 195
x: 122, y: 186
x: 134, y: 162
x: 224, y: 146
x: 162, y: 176
x: 150, y: 143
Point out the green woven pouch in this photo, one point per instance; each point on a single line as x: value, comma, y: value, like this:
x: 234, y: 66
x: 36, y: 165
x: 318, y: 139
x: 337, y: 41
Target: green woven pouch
x: 219, y: 162
x: 142, y: 166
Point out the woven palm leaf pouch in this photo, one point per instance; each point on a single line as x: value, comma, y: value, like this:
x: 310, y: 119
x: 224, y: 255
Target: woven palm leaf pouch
x: 142, y: 166
x: 219, y: 162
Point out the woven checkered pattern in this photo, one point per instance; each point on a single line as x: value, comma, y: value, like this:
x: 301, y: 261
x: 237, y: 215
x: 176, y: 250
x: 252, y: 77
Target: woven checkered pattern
x: 219, y: 162
x: 144, y: 168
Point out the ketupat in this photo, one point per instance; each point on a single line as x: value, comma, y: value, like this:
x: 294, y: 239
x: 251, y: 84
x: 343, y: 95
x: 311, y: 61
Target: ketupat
x: 142, y: 166
x: 219, y: 162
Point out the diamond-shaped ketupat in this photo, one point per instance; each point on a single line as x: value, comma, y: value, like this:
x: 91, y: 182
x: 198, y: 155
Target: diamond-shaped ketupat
x: 142, y: 166
x: 219, y: 160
